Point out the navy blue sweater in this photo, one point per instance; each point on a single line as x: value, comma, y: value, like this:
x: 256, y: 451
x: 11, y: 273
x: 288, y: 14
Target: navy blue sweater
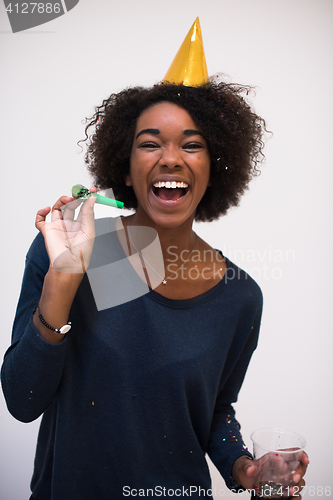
x: 136, y: 394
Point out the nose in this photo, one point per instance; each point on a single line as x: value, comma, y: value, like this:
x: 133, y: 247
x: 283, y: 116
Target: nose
x: 171, y: 158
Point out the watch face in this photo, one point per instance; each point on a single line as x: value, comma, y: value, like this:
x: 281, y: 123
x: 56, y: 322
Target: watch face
x: 64, y: 329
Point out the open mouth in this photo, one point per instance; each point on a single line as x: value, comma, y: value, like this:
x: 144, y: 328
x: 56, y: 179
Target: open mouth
x: 170, y: 191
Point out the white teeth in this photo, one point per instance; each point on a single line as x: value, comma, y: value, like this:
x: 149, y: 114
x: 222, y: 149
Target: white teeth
x: 170, y: 185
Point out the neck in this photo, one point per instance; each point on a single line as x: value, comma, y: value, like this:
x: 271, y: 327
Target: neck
x: 179, y: 238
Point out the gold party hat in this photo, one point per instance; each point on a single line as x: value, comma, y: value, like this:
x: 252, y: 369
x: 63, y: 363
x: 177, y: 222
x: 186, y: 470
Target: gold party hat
x: 189, y: 66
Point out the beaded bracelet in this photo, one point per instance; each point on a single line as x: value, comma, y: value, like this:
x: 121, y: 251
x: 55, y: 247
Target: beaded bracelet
x: 64, y: 329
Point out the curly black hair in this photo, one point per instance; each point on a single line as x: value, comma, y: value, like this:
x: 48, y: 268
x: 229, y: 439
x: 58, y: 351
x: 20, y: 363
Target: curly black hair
x: 231, y: 128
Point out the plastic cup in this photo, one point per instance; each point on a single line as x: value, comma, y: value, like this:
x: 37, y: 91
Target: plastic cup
x: 276, y: 454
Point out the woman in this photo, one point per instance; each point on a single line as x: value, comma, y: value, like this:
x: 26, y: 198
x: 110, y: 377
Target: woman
x: 134, y: 396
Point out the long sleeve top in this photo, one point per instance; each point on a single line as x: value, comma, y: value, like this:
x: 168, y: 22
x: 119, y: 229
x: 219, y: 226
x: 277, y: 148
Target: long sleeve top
x: 136, y: 394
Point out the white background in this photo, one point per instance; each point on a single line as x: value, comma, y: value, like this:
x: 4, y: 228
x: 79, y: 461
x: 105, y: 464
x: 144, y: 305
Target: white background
x: 52, y: 76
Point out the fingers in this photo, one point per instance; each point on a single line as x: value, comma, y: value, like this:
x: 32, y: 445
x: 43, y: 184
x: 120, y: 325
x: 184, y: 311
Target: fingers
x: 244, y: 471
x: 304, y: 458
x: 64, y: 208
x: 58, y: 206
x: 86, y: 214
x: 41, y: 216
x: 298, y: 476
x: 297, y: 490
x: 68, y: 210
x: 250, y: 469
x: 301, y: 468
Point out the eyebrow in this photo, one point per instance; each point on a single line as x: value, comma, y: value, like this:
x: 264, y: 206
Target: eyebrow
x: 192, y: 132
x: 155, y: 131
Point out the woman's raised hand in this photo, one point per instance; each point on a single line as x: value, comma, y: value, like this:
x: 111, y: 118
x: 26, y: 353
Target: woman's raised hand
x: 69, y: 242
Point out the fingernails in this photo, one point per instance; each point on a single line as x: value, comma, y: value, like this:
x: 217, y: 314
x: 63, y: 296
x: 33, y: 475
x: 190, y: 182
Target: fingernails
x: 297, y: 477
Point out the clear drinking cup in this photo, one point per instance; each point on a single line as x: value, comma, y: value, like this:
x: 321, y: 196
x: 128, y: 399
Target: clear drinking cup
x: 276, y: 454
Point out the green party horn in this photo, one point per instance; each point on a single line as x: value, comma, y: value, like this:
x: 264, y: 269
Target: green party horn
x: 79, y: 191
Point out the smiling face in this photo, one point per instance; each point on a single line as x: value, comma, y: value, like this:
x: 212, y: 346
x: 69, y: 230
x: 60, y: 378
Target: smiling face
x: 169, y: 166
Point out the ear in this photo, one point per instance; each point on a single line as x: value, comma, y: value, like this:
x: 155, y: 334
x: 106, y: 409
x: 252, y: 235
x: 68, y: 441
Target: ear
x: 128, y: 180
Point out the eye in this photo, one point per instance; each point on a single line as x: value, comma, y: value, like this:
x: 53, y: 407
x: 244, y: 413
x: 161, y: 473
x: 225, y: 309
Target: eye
x: 193, y: 146
x: 148, y: 145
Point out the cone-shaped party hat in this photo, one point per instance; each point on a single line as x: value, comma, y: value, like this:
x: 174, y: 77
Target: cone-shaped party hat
x: 189, y: 66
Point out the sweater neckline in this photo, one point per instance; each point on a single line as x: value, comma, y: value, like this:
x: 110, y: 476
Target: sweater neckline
x: 182, y: 303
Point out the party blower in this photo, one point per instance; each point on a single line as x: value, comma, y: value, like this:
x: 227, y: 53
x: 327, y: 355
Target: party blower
x: 79, y: 191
